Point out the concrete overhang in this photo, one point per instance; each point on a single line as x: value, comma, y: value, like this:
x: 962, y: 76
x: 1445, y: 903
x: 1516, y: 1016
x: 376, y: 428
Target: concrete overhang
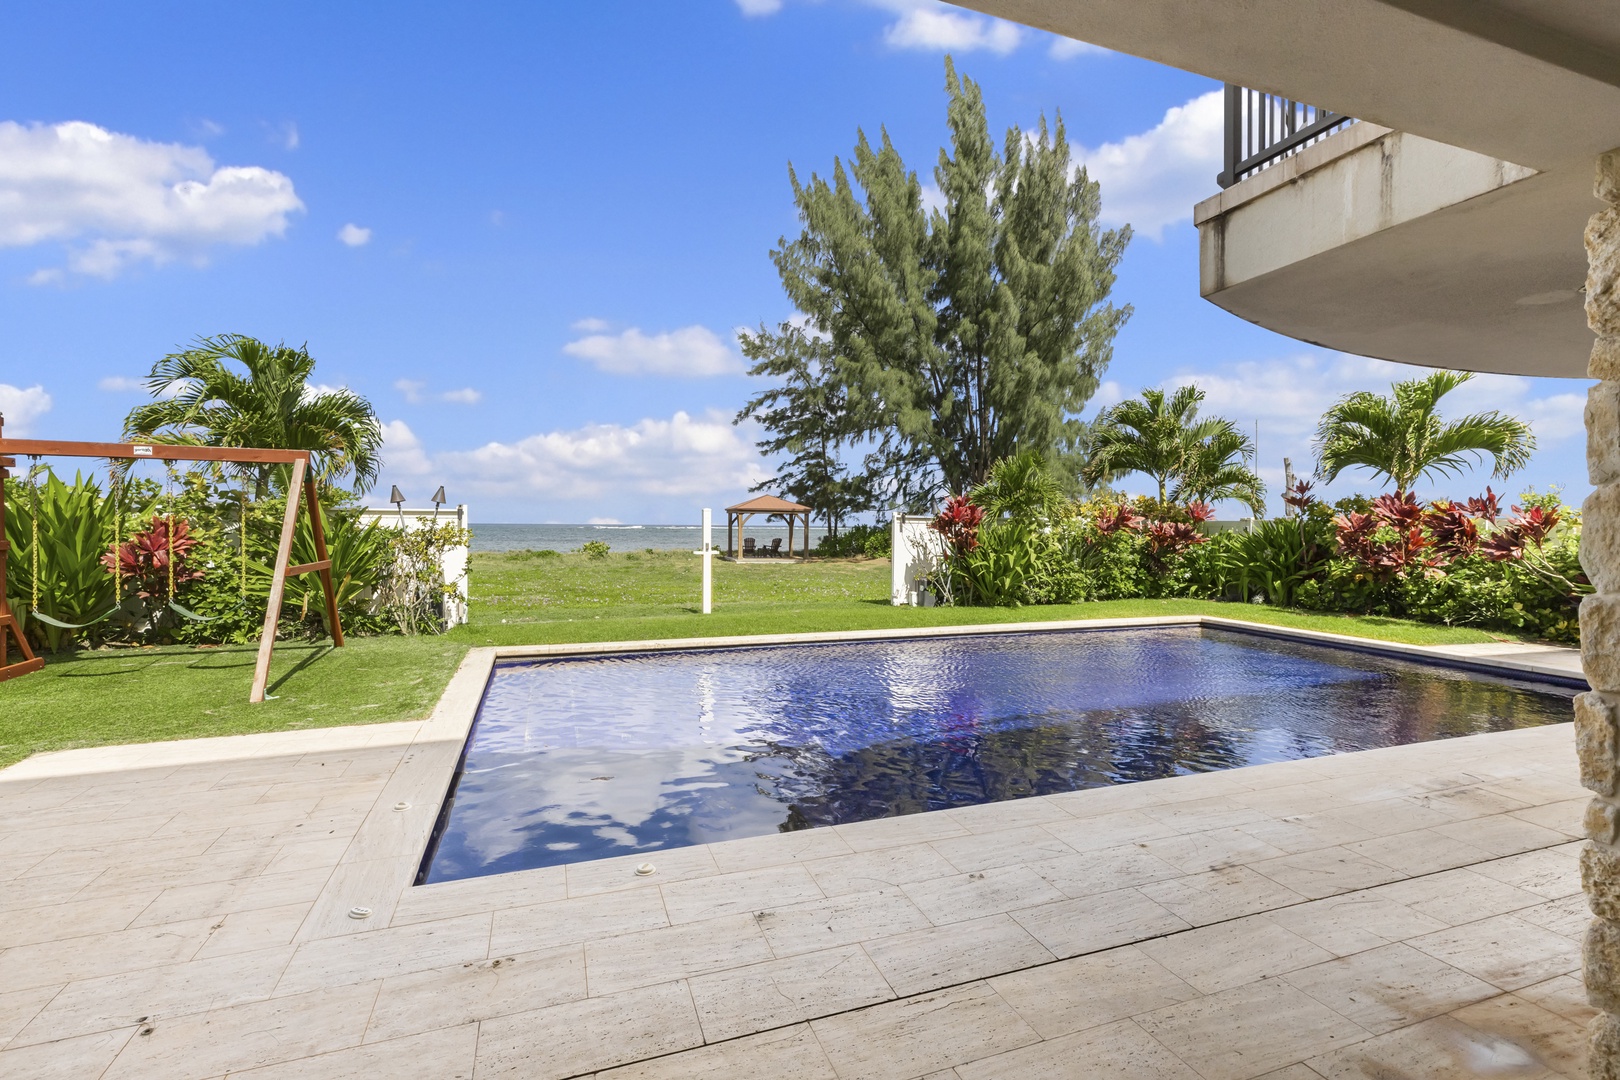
x: 1386, y: 244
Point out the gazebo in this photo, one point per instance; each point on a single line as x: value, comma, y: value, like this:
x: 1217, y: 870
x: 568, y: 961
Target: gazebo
x: 770, y: 506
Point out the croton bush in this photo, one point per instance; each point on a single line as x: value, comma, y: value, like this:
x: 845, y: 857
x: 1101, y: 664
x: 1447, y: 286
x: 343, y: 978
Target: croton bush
x: 1469, y: 563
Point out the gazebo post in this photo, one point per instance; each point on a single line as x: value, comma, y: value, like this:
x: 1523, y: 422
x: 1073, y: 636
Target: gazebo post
x: 790, y: 518
x: 807, y: 534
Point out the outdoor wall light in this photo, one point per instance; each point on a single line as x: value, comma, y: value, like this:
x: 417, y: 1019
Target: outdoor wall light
x: 396, y: 496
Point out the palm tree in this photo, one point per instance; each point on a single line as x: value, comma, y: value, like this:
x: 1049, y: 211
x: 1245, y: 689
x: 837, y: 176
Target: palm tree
x: 270, y: 403
x: 1163, y: 436
x: 1402, y: 437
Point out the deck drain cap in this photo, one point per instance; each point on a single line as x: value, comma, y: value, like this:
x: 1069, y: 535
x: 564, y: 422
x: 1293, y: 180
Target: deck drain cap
x: 359, y: 913
x: 645, y: 869
x: 402, y: 806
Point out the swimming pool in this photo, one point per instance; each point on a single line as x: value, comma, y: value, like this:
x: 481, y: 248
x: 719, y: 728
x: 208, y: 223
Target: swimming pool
x: 589, y: 757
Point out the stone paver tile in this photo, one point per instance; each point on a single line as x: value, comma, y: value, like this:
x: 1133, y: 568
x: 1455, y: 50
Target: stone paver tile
x: 1194, y: 853
x: 525, y: 929
x: 840, y: 920
x: 1504, y: 951
x: 308, y: 855
x: 44, y: 841
x: 18, y: 1007
x: 1473, y: 801
x: 1550, y: 872
x: 647, y: 957
x: 981, y: 851
x: 1007, y: 814
x: 778, y: 849
x: 1438, y: 1049
x: 868, y: 870
x: 1305, y: 832
x: 260, y: 928
x: 136, y: 874
x: 1219, y: 957
x: 1502, y: 834
x: 583, y: 1036
x: 242, y: 1037
x: 1104, y: 870
x: 918, y: 1035
x: 982, y: 892
x: 156, y: 993
x: 1390, y: 987
x: 1119, y: 1051
x: 139, y: 855
x: 1386, y: 817
x: 474, y: 991
x: 1221, y: 894
x: 215, y: 898
x: 1249, y: 1030
x: 1093, y: 923
x: 1327, y: 872
x: 1355, y: 922
x: 445, y: 1054
x: 945, y: 955
x: 1564, y: 995
x: 39, y: 890
x: 745, y: 1000
x: 1204, y: 815
x: 493, y: 892
x: 1108, y: 830
x: 1089, y: 991
x: 377, y: 954
x: 789, y: 1054
x: 1558, y: 1042
x: 1421, y: 851
x: 1458, y: 896
x: 100, y: 954
x: 899, y: 831
x: 729, y: 894
x: 608, y: 875
x: 1565, y: 817
x: 103, y: 915
x: 70, y: 1059
x: 1568, y: 916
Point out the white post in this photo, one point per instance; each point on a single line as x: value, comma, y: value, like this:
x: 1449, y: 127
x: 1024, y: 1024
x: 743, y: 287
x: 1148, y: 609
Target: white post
x: 707, y: 554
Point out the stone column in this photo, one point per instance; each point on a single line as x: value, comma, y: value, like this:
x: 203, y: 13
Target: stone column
x: 1597, y: 714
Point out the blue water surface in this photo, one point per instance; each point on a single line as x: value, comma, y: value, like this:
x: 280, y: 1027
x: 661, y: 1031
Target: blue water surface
x: 586, y: 758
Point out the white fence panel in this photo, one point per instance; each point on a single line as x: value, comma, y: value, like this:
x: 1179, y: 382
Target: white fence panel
x: 453, y: 564
x: 917, y: 552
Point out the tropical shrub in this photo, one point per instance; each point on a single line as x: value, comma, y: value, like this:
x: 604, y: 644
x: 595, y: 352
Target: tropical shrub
x: 871, y: 541
x: 77, y: 528
x: 595, y: 549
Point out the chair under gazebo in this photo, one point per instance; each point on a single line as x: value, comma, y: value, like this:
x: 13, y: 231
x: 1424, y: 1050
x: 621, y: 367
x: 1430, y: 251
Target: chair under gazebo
x: 772, y: 507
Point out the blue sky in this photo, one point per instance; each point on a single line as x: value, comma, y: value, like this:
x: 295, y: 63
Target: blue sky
x: 528, y: 232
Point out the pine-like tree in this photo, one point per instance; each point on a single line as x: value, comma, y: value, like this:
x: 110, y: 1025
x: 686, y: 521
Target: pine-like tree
x: 960, y: 335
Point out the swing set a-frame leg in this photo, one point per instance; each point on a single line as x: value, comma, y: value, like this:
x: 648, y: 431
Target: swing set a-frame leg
x: 9, y: 627
x: 301, y: 485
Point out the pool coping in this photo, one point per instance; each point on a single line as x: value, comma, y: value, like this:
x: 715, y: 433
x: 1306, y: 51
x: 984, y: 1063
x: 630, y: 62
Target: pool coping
x: 380, y: 865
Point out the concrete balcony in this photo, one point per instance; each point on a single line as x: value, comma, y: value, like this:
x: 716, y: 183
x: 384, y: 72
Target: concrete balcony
x: 1387, y: 244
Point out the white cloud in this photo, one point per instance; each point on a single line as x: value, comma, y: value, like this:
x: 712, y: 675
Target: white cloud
x: 465, y: 396
x: 591, y: 326
x: 1152, y: 180
x: 22, y: 406
x: 121, y: 384
x: 1064, y: 48
x: 924, y: 24
x: 402, y: 452
x: 694, y: 351
x: 755, y: 8
x: 113, y: 199
x: 354, y: 236
x: 411, y: 389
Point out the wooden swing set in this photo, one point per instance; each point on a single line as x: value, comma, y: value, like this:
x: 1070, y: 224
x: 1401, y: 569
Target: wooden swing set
x: 302, y: 482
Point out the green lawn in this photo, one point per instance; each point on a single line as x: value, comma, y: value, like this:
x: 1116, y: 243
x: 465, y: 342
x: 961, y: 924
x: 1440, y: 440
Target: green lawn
x: 139, y: 695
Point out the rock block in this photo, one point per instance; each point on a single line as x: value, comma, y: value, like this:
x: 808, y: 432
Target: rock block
x: 1605, y: 359
x: 1601, y: 954
x: 1600, y: 538
x: 1603, y: 433
x: 1603, y: 271
x: 1600, y: 641
x: 1600, y: 877
x: 1603, y: 822
x: 1606, y: 185
x: 1597, y: 742
x: 1603, y: 1048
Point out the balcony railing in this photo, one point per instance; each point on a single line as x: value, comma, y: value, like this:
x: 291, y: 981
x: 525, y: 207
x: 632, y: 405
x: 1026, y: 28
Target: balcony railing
x: 1262, y: 129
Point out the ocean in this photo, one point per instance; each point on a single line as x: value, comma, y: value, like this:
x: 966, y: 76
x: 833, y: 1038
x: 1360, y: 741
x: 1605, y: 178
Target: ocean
x: 498, y: 537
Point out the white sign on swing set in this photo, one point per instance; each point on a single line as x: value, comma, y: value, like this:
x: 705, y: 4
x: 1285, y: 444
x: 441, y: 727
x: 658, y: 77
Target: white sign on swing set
x: 708, y: 553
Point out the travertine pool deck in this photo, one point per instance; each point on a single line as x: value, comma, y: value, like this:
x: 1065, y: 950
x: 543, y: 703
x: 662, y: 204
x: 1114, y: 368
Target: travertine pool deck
x: 180, y: 911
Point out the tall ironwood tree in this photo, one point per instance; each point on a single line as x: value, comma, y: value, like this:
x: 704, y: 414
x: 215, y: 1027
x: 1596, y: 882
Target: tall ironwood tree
x: 963, y: 334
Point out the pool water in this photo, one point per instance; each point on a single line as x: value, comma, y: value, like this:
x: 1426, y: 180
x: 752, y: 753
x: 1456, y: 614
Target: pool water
x: 590, y: 757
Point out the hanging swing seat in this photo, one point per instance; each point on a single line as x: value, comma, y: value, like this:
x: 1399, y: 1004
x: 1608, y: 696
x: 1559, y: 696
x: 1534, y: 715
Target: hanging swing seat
x: 35, y: 613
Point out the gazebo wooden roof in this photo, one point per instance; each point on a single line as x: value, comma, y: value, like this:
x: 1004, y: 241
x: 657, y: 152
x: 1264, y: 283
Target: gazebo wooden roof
x: 771, y: 506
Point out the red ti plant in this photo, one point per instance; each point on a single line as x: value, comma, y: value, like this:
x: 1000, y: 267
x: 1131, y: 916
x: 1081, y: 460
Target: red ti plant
x: 1123, y: 518
x: 1452, y: 526
x: 145, y: 559
x: 959, y: 524
x: 1488, y: 507
x: 1200, y: 512
x: 1299, y: 496
x: 1168, y: 539
x: 1528, y: 528
x: 1386, y: 555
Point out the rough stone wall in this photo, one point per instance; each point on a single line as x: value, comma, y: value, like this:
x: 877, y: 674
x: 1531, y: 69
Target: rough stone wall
x: 1597, y: 714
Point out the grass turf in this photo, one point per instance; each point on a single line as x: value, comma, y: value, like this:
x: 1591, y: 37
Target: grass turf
x: 144, y: 695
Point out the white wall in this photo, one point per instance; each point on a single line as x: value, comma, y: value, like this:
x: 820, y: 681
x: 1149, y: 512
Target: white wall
x: 917, y: 551
x: 454, y: 563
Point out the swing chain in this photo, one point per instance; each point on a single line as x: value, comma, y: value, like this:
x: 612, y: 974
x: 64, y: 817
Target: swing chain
x: 33, y: 541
